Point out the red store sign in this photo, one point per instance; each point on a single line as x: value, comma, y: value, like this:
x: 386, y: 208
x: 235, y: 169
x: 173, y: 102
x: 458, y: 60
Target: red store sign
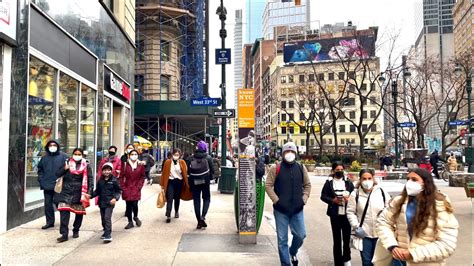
x: 114, y: 84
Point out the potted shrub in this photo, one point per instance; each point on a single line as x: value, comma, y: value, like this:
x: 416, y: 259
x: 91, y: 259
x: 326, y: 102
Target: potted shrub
x: 354, y: 170
x: 310, y: 164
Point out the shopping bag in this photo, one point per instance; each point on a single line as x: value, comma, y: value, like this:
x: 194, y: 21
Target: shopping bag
x: 59, y: 185
x: 357, y: 243
x: 382, y: 257
x: 160, y: 202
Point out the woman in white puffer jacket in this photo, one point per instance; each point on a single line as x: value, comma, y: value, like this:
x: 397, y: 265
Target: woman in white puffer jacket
x: 366, y: 186
x: 419, y: 227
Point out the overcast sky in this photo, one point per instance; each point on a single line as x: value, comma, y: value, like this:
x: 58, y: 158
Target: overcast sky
x: 389, y: 15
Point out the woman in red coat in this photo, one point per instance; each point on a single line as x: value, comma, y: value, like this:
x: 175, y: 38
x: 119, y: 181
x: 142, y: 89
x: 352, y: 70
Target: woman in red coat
x: 132, y: 178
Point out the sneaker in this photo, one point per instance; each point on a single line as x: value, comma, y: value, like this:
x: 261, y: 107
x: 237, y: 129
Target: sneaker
x: 176, y: 215
x: 102, y: 237
x: 137, y: 221
x: 62, y: 239
x: 347, y: 263
x: 44, y: 227
x: 204, y: 224
x: 107, y: 239
x: 294, y: 260
x: 199, y: 225
x: 129, y: 225
x: 75, y: 234
x: 168, y: 220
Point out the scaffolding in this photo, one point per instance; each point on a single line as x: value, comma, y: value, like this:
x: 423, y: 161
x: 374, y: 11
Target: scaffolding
x: 178, y: 24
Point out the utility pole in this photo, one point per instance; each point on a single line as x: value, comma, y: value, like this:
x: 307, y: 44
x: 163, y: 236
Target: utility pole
x: 395, y: 96
x: 222, y: 12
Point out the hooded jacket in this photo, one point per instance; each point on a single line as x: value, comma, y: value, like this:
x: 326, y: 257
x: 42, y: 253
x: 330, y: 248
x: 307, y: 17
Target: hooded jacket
x: 432, y: 246
x: 49, y: 166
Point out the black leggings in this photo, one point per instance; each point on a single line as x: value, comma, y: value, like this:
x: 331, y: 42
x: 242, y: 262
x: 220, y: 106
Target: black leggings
x: 341, y: 236
x: 173, y: 192
x: 132, y: 206
x: 197, y: 190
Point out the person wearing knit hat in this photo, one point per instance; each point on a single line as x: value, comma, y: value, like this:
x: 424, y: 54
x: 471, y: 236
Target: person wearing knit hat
x: 289, y: 187
x: 201, y: 169
x: 419, y: 226
x: 108, y: 190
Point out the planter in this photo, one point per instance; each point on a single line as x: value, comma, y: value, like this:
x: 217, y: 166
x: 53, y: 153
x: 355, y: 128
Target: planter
x: 310, y: 167
x: 353, y: 176
x: 322, y: 171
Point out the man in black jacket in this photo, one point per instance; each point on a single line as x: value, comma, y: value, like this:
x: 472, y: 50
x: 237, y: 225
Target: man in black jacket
x: 108, y: 190
x: 434, y: 160
x: 289, y: 187
x: 47, y: 175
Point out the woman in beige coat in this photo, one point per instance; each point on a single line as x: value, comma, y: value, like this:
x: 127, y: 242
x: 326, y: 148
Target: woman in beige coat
x: 418, y: 227
x: 452, y: 163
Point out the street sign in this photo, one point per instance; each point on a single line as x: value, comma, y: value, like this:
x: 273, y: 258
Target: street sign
x: 223, y: 113
x: 458, y: 123
x: 222, y: 56
x: 407, y: 124
x: 469, y: 135
x: 206, y: 101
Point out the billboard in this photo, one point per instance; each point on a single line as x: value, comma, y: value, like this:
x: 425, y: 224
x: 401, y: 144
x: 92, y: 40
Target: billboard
x: 329, y: 49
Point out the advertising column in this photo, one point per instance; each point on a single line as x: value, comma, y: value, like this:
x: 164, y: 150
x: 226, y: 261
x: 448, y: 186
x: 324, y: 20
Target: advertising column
x: 247, y: 187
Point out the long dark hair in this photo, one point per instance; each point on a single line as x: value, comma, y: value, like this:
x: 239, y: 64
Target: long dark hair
x: 426, y: 206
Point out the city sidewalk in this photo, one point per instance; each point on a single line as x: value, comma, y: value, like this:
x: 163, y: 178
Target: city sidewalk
x: 155, y: 243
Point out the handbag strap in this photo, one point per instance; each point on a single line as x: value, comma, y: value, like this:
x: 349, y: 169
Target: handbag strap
x: 365, y: 209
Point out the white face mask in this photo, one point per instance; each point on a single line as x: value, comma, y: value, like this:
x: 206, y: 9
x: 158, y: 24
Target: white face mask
x: 77, y: 157
x: 367, y: 184
x: 175, y: 157
x: 53, y: 149
x: 290, y: 157
x: 134, y: 157
x: 413, y: 188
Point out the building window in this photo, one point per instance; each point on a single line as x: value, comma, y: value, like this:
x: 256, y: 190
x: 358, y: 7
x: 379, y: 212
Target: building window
x: 301, y: 78
x: 283, y: 117
x: 373, y: 100
x: 283, y: 130
x: 352, y: 75
x: 331, y: 76
x: 364, y: 101
x: 364, y: 128
x: 364, y: 114
x: 311, y: 77
x: 352, y: 128
x: 366, y: 141
x: 290, y: 79
x: 352, y: 88
x: 373, y: 128
x: 283, y: 104
x: 140, y: 52
x: 165, y: 50
x: 341, y: 75
x: 291, y: 117
x: 164, y: 87
x: 321, y: 76
x: 342, y: 128
x: 350, y: 101
x: 373, y: 114
x: 292, y: 130
x: 41, y: 95
x: 301, y: 103
x: 302, y: 117
x: 303, y: 142
x: 363, y: 87
x: 329, y: 141
x: 312, y: 142
x: 291, y: 104
x: 342, y: 141
x: 283, y: 79
x: 372, y: 86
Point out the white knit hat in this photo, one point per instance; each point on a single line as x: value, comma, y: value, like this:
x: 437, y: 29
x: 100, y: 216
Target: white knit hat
x: 109, y: 165
x: 289, y: 146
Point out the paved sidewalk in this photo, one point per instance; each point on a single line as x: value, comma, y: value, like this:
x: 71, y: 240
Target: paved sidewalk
x: 155, y: 243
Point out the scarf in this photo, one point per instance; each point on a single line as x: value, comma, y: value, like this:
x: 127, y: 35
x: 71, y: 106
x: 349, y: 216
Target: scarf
x: 77, y: 171
x: 134, y: 165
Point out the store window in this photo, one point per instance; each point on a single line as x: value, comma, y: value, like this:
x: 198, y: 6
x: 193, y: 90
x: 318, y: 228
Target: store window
x: 126, y: 115
x: 104, y: 117
x: 40, y: 124
x: 67, y: 114
x: 88, y: 107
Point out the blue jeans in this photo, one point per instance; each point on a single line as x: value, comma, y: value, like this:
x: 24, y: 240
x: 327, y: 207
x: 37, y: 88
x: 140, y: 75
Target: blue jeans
x: 296, y: 224
x: 367, y: 254
x: 398, y: 263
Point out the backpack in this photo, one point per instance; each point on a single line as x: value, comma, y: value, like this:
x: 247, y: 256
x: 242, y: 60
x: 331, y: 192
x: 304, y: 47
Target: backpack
x: 199, y: 167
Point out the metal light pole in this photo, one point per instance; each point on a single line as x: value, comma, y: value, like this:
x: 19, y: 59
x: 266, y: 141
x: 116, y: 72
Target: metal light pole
x: 395, y: 119
x: 222, y: 12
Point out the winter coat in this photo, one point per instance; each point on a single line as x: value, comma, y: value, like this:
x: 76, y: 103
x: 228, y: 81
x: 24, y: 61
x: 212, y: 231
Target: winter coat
x: 107, y: 190
x: 49, y: 166
x: 429, y: 248
x: 201, y: 155
x: 72, y: 186
x: 217, y: 167
x: 290, y: 189
x: 452, y: 163
x: 328, y: 194
x: 376, y: 206
x: 115, y: 161
x: 146, y: 157
x: 131, y: 181
x: 167, y: 172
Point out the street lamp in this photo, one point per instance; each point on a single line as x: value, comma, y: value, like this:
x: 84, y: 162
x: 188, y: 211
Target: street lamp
x: 222, y: 12
x: 469, y: 151
x: 406, y: 74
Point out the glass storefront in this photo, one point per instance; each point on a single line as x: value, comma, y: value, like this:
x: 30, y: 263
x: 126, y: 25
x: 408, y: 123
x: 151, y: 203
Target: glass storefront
x: 103, y: 143
x: 126, y: 114
x: 53, y: 113
x: 67, y: 115
x: 40, y: 124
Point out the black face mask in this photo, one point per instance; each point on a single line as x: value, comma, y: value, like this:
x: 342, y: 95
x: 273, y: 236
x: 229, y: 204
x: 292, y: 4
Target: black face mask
x: 339, y: 174
x: 111, y: 153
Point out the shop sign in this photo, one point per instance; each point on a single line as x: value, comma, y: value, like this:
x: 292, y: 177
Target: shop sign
x: 114, y: 83
x: 8, y: 10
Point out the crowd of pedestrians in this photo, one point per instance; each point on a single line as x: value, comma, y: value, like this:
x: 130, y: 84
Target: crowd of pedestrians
x: 415, y: 228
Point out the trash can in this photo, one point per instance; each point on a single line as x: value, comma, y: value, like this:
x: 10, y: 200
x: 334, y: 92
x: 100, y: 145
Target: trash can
x: 227, y: 181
